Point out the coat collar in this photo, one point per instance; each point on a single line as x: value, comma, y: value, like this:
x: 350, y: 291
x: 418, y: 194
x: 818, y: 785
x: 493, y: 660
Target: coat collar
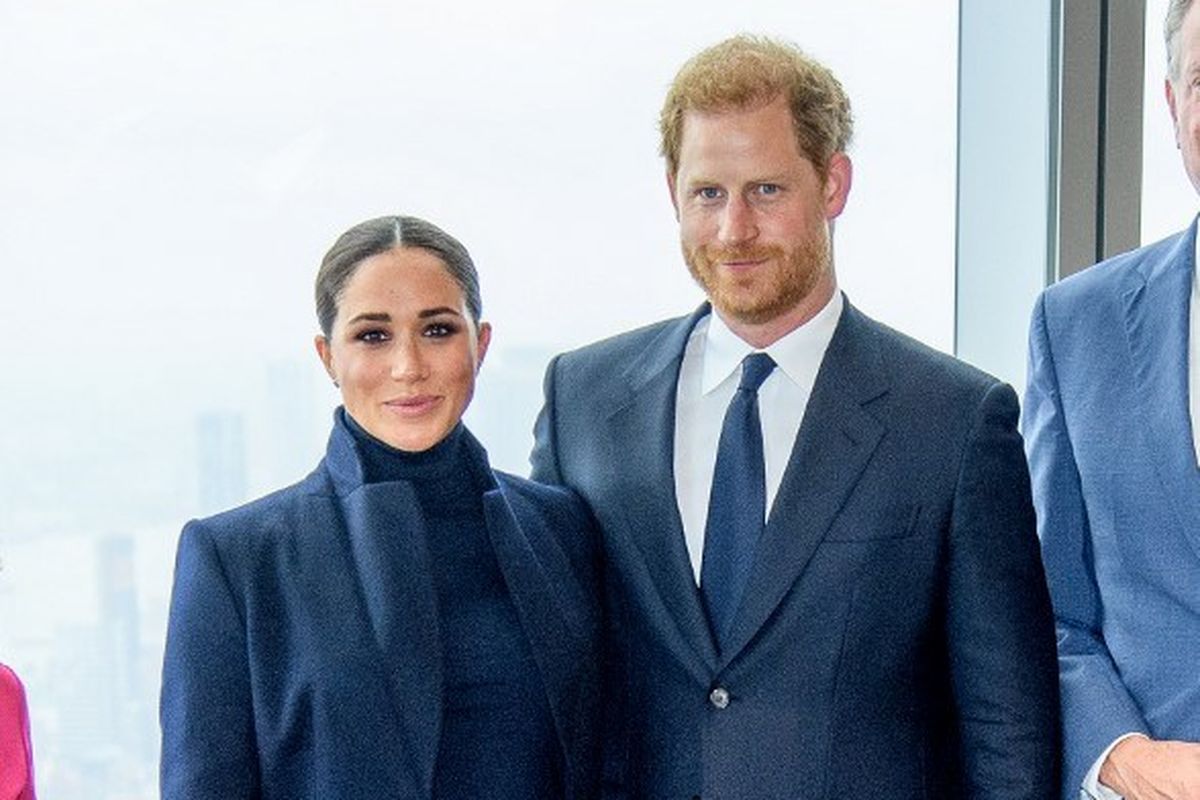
x: 662, y: 356
x: 643, y: 420
x: 346, y: 469
x: 386, y: 536
x: 1156, y: 300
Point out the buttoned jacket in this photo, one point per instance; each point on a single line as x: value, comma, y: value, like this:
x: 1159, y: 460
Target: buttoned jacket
x: 895, y: 637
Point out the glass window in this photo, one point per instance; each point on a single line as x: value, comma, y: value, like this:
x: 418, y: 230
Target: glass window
x: 1168, y: 199
x: 173, y: 174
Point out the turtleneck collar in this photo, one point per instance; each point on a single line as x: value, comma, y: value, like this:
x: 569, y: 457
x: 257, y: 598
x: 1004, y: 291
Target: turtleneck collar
x: 382, y: 463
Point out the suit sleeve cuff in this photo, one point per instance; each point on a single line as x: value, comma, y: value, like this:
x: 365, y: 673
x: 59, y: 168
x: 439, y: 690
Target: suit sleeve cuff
x: 1093, y: 789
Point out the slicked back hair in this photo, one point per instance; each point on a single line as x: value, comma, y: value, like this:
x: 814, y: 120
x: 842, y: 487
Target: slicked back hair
x: 379, y: 235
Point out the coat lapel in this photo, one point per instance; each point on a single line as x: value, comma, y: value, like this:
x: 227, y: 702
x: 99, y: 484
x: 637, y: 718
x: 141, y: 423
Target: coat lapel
x: 643, y: 424
x: 386, y: 536
x: 834, y: 444
x: 1157, y: 302
x: 555, y: 643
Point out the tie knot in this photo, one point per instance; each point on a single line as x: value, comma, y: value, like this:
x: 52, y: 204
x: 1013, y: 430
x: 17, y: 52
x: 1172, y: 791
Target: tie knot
x: 755, y: 369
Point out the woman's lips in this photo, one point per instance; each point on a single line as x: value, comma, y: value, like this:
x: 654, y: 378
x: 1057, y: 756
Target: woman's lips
x: 413, y: 406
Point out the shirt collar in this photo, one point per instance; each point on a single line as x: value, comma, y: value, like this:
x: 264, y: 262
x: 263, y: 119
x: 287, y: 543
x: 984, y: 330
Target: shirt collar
x: 798, y: 354
x: 1195, y: 263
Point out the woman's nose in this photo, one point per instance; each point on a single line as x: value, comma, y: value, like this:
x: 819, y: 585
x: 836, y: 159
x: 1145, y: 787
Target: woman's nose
x: 408, y: 363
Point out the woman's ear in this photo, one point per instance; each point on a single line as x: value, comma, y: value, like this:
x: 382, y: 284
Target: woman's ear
x: 482, y: 340
x: 325, y: 353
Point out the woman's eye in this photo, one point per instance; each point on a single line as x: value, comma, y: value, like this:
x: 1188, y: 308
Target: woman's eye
x: 439, y: 330
x: 372, y: 336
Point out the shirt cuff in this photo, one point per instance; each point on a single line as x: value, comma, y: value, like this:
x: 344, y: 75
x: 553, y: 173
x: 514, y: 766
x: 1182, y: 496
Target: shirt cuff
x: 1092, y: 788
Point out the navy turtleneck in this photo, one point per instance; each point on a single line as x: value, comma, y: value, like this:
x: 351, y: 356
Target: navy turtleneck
x: 498, y: 737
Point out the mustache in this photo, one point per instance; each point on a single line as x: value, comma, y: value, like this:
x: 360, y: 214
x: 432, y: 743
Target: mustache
x: 716, y: 254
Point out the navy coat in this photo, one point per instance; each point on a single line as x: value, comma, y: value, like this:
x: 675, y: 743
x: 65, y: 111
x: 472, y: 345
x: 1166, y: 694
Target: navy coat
x: 303, y: 653
x: 1118, y: 497
x: 895, y: 638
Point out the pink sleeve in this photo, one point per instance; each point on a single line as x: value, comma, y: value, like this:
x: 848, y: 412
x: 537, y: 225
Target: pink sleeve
x: 16, y: 753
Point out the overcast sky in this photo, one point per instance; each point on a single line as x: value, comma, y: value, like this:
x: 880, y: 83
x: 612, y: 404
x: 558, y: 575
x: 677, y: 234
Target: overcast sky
x: 173, y: 172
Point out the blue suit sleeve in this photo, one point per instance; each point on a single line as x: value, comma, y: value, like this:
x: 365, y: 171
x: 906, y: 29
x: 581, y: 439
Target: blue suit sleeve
x: 547, y: 468
x: 1096, y: 706
x: 544, y: 458
x: 1000, y: 628
x: 206, y: 709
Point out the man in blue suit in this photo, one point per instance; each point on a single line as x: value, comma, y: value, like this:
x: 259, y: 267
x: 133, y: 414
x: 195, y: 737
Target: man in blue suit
x: 1110, y: 420
x: 822, y: 567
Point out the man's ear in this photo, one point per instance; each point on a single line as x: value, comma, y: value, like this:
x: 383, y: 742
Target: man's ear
x: 1169, y: 90
x: 838, y: 177
x: 671, y: 191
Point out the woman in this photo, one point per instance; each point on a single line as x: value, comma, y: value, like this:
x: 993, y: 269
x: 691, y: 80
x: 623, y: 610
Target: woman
x: 16, y: 753
x: 405, y: 622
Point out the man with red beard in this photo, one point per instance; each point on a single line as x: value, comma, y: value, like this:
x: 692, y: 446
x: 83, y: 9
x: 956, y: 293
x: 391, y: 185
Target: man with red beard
x: 823, y: 578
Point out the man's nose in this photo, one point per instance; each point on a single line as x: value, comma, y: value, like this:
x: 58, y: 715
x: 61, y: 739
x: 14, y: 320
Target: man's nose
x: 737, y: 222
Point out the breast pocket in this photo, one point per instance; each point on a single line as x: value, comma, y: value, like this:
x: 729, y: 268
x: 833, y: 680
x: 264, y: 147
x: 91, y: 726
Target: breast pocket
x: 898, y: 521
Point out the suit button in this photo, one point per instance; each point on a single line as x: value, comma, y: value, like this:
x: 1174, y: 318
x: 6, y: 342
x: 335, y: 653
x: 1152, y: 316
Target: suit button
x: 719, y: 697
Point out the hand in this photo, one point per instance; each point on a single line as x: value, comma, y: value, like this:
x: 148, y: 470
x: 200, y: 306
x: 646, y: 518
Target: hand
x: 1146, y: 769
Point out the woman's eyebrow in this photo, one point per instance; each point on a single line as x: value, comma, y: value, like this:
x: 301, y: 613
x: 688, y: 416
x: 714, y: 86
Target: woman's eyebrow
x: 371, y: 316
x: 435, y: 312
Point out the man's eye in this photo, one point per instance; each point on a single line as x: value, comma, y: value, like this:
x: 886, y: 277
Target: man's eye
x: 768, y: 189
x: 708, y: 193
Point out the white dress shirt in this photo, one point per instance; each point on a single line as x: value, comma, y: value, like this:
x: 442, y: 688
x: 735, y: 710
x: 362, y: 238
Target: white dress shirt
x: 708, y: 379
x: 1194, y: 352
x: 1092, y: 787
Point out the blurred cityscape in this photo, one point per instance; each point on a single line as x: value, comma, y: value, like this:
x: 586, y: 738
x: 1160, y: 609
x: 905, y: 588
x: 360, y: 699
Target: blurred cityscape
x: 88, y: 527
x: 173, y: 171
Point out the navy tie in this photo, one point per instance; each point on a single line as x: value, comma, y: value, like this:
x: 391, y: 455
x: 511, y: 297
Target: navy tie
x: 737, y: 505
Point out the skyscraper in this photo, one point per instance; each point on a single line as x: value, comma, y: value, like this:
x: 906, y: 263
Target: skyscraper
x: 221, y: 460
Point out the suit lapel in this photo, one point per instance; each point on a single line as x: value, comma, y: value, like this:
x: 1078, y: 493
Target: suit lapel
x: 555, y: 643
x: 642, y: 431
x: 836, y: 440
x: 1156, y: 322
x: 386, y: 536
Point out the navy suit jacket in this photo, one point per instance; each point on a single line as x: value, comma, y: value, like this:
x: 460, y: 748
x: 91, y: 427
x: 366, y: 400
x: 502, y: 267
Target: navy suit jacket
x: 895, y: 638
x: 303, y: 657
x: 1118, y: 497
